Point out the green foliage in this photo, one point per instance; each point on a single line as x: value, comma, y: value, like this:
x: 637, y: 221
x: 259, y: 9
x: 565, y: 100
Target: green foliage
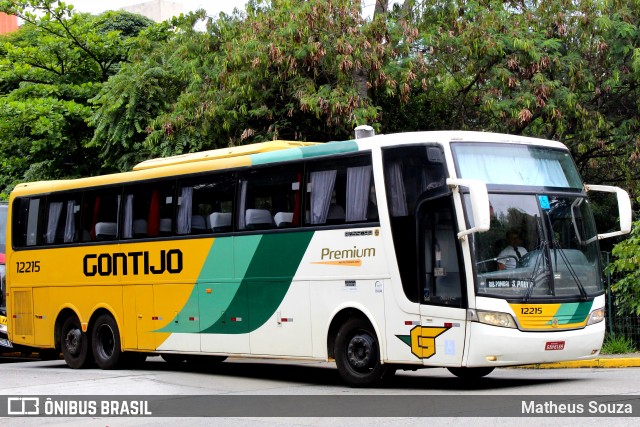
x: 313, y: 70
x: 617, y: 344
x: 284, y: 69
x: 626, y: 264
x: 49, y: 69
x: 553, y: 69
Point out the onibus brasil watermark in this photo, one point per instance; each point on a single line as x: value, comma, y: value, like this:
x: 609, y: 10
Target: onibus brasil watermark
x: 36, y: 406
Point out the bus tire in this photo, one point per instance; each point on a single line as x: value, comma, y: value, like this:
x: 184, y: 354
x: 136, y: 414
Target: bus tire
x: 74, y: 344
x: 357, y: 354
x: 471, y: 373
x: 105, y: 341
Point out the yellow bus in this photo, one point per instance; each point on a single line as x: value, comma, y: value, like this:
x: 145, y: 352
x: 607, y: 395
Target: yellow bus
x: 381, y: 253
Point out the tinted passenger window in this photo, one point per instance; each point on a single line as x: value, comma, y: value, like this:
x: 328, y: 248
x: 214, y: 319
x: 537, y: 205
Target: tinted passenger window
x: 100, y: 214
x: 62, y: 224
x: 270, y: 198
x: 27, y: 216
x: 341, y: 191
x: 205, y: 204
x: 148, y: 210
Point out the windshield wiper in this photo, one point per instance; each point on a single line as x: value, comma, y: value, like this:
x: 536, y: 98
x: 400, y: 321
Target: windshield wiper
x: 558, y: 249
x: 544, y: 252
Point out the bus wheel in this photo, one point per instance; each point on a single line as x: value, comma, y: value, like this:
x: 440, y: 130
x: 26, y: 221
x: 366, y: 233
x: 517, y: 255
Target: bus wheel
x: 357, y: 354
x: 74, y: 344
x: 470, y: 373
x: 106, y: 342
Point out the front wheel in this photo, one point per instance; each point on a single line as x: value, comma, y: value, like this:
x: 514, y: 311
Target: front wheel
x: 470, y: 373
x: 106, y: 342
x: 357, y: 354
x: 74, y: 344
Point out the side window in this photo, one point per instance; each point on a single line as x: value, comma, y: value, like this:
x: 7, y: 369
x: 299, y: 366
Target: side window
x: 341, y: 191
x: 205, y: 204
x: 409, y: 172
x: 27, y: 227
x: 439, y: 254
x: 100, y: 210
x: 270, y: 198
x: 148, y: 209
x: 62, y: 223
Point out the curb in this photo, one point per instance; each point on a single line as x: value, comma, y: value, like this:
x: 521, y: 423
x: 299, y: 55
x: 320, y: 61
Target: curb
x: 602, y: 362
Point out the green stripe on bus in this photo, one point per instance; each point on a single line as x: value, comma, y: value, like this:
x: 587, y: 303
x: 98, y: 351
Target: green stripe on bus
x: 217, y: 276
x: 575, y: 312
x: 305, y: 152
x: 265, y: 284
x: 336, y: 147
x: 264, y: 266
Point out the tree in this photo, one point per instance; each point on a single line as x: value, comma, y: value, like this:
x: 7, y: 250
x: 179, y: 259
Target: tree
x: 49, y: 69
x: 283, y: 69
x: 558, y: 69
x: 161, y: 65
x: 627, y: 264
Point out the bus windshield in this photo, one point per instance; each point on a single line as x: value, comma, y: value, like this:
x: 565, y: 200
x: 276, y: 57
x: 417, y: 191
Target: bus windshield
x: 519, y: 165
x: 538, y: 247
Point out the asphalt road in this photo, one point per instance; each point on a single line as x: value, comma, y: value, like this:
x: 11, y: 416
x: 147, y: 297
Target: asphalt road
x: 240, y: 381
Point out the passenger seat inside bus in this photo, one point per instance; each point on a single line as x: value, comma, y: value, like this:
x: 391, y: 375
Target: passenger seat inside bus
x: 256, y: 219
x: 220, y: 221
x: 139, y: 228
x: 106, y: 230
x: 165, y: 226
x: 336, y: 214
x: 283, y: 219
x: 198, y: 224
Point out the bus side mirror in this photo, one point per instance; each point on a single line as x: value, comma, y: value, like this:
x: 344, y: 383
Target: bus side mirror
x: 624, y: 208
x: 479, y: 198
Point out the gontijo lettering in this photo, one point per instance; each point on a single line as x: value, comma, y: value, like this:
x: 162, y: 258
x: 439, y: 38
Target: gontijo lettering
x: 135, y: 263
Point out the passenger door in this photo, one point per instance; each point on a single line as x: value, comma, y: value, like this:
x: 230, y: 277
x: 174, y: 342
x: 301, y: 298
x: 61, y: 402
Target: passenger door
x: 440, y: 338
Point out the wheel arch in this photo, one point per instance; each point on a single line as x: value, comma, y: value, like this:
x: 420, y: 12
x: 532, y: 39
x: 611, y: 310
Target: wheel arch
x: 97, y: 313
x: 63, y: 315
x: 71, y: 311
x: 340, y: 317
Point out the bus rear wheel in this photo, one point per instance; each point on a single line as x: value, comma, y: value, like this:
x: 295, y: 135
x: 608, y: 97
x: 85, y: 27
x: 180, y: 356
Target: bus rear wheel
x: 357, y: 354
x: 471, y: 373
x: 106, y: 342
x: 74, y: 344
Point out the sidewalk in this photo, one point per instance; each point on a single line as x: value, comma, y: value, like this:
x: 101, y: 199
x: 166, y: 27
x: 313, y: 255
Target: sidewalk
x: 629, y: 360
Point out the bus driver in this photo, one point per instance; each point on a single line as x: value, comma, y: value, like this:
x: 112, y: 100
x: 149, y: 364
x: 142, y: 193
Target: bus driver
x: 513, y: 253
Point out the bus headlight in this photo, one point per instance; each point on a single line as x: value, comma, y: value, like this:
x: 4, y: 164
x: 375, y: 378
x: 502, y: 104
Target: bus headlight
x: 494, y: 318
x: 596, y: 316
x: 3, y: 328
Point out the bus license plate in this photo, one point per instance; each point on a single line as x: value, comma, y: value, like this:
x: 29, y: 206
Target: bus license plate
x: 554, y: 345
